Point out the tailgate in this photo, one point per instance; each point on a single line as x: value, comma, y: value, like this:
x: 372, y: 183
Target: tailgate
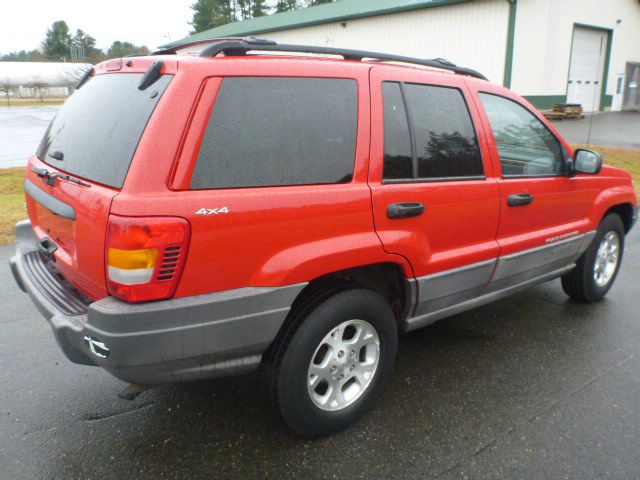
x: 71, y: 221
x: 81, y: 164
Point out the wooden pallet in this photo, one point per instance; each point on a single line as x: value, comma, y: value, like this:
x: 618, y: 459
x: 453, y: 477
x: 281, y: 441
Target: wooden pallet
x: 552, y: 115
x: 564, y: 110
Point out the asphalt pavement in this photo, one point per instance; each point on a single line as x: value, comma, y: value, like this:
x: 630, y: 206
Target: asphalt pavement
x: 532, y: 387
x: 21, y: 129
x: 611, y: 129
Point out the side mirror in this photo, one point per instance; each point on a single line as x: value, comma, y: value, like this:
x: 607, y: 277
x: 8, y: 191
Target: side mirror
x: 587, y: 161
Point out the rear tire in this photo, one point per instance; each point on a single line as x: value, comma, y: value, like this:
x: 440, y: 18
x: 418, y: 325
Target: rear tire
x: 332, y: 363
x: 598, y: 266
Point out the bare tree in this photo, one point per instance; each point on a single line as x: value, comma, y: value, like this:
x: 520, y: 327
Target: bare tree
x: 38, y: 84
x: 6, y: 88
x: 74, y: 76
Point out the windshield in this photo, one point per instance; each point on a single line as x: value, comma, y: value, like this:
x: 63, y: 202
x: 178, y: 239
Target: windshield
x: 96, y: 132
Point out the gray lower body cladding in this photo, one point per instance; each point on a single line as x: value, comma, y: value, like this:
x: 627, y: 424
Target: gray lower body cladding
x: 175, y: 340
x: 225, y: 333
x: 454, y: 291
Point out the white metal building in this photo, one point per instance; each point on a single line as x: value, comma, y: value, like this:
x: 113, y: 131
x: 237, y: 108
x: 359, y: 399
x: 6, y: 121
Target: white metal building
x: 550, y: 51
x: 32, y: 79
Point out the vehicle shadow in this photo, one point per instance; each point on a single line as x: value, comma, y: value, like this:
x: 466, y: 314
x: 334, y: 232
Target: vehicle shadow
x: 457, y: 385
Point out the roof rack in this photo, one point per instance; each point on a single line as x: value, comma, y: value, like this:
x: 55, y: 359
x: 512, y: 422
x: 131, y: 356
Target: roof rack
x: 236, y: 48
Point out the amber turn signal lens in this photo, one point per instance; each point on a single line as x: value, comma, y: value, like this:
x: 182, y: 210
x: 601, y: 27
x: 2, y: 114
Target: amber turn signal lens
x: 132, y: 259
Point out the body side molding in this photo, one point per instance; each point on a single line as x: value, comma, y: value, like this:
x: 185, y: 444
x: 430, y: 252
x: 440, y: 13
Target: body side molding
x: 453, y: 291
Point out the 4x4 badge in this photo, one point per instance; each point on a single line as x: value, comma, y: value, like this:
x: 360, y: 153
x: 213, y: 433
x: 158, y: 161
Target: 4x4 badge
x: 212, y: 211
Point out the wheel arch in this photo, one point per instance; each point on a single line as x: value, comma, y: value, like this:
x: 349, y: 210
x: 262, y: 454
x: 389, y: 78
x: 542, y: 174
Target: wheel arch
x: 388, y: 279
x: 624, y: 211
x: 618, y: 199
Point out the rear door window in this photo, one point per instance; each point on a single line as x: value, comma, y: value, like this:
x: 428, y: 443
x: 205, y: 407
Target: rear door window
x: 97, y: 130
x: 436, y: 140
x: 398, y: 158
x: 273, y: 131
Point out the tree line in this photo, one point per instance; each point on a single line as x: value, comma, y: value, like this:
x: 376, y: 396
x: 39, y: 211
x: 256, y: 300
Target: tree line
x: 214, y: 13
x: 61, y: 45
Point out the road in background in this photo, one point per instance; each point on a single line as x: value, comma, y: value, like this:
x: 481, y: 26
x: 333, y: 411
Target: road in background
x: 21, y: 129
x: 618, y: 129
x: 534, y: 386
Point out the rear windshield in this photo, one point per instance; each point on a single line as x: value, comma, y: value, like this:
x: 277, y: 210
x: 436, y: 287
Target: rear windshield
x: 97, y: 130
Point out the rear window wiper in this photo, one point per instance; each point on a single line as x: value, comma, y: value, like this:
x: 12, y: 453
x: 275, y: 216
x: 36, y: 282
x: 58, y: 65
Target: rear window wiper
x: 57, y: 155
x: 86, y: 76
x: 51, y: 177
x: 71, y: 179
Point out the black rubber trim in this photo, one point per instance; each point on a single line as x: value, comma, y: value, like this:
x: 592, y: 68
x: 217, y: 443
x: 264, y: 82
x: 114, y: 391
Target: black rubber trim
x: 634, y: 217
x: 392, y: 181
x: 63, y: 299
x: 49, y: 201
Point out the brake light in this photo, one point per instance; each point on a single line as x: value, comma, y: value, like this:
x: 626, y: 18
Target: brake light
x: 145, y: 256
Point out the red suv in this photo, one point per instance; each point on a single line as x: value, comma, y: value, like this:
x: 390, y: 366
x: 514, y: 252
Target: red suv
x: 192, y: 217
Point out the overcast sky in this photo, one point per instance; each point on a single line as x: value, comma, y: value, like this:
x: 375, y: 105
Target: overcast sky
x: 143, y: 22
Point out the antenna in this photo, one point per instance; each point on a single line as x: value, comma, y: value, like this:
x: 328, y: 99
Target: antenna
x: 595, y: 92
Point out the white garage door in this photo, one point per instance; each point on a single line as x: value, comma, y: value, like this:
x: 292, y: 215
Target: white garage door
x: 588, y: 51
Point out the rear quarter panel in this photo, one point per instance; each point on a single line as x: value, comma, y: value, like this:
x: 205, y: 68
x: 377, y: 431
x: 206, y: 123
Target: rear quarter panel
x: 271, y: 236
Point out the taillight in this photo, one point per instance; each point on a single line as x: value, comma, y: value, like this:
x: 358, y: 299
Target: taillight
x: 145, y: 256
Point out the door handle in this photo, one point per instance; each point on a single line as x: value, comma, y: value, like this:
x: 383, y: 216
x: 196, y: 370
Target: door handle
x: 519, y: 199
x: 405, y: 209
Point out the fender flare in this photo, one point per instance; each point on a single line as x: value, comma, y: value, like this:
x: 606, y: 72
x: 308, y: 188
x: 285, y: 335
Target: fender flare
x: 308, y: 261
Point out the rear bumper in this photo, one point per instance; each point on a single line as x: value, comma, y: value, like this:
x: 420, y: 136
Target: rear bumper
x: 174, y: 340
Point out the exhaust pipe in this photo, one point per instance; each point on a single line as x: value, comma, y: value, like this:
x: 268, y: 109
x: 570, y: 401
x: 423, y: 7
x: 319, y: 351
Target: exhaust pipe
x: 98, y: 348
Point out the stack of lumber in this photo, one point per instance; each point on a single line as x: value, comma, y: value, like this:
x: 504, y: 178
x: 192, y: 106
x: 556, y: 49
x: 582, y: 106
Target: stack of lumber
x: 564, y: 110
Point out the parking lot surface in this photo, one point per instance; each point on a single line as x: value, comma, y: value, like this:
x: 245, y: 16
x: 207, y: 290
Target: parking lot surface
x: 21, y: 129
x: 533, y: 386
x: 618, y: 129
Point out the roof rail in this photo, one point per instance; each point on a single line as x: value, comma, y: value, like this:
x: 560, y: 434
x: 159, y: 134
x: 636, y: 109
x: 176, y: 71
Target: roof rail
x: 174, y: 50
x: 236, y: 48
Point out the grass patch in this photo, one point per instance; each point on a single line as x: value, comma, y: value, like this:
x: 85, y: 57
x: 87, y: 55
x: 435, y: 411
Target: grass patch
x: 30, y: 102
x: 628, y: 160
x: 11, y: 202
x: 12, y: 196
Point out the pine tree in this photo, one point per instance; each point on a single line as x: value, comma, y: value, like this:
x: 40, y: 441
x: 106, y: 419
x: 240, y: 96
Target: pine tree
x: 87, y: 46
x: 209, y: 14
x: 120, y: 49
x: 57, y: 41
x: 287, y: 5
x: 243, y: 9
x: 259, y: 8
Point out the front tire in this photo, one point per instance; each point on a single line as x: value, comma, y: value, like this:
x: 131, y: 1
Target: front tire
x: 332, y: 368
x: 598, y: 267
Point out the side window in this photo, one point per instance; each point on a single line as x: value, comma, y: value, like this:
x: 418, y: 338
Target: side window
x: 398, y: 161
x: 525, y: 146
x: 438, y: 125
x: 446, y: 143
x: 270, y: 131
